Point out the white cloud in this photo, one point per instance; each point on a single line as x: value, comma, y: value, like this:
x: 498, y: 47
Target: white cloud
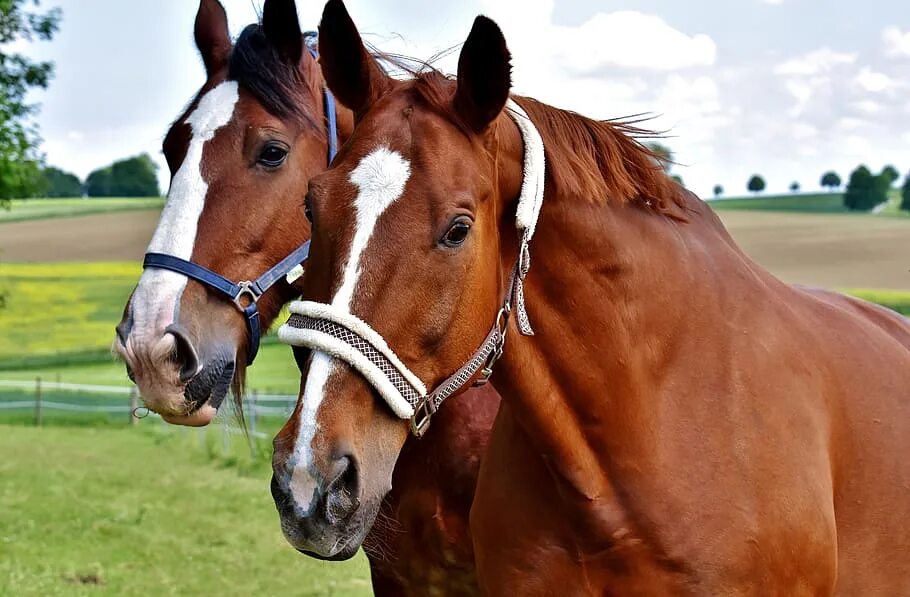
x: 874, y: 82
x: 854, y: 145
x: 849, y: 123
x: 630, y: 39
x: 821, y: 61
x: 804, y: 132
x: 897, y: 43
x: 869, y: 106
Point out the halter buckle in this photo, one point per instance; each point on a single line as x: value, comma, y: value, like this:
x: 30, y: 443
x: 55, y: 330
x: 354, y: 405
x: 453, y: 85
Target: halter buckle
x: 423, y: 413
x: 245, y: 289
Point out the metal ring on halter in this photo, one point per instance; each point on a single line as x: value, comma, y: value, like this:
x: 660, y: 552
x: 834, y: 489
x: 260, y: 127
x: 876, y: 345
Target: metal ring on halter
x: 135, y: 412
x: 502, y: 324
x: 423, y: 415
x: 245, y: 289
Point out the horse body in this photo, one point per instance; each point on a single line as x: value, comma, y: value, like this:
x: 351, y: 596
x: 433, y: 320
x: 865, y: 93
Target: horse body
x: 716, y: 431
x: 680, y: 421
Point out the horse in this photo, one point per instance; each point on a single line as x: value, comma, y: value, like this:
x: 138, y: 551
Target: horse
x: 674, y: 419
x: 240, y: 157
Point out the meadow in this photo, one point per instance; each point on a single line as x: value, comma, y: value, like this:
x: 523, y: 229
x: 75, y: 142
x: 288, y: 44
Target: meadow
x: 90, y: 506
x: 137, y: 512
x: 804, y: 203
x: 35, y: 209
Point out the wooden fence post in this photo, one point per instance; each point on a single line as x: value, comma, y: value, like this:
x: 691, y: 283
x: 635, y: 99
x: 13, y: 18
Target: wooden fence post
x: 38, y: 413
x: 134, y: 404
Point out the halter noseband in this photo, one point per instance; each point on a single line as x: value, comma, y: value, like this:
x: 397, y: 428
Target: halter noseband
x: 345, y: 336
x: 253, y: 291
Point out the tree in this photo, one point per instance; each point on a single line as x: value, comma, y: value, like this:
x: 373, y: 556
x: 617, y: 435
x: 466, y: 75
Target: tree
x: 890, y: 174
x: 831, y: 180
x: 905, y: 194
x: 865, y: 191
x: 756, y: 184
x: 133, y: 177
x: 57, y: 183
x: 663, y: 154
x: 794, y: 187
x: 718, y: 190
x: 20, y: 160
x: 678, y: 180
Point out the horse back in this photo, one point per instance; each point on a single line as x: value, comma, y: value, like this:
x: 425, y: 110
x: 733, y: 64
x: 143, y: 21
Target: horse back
x: 869, y: 399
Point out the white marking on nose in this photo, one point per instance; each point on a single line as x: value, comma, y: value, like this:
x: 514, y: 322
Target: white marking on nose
x: 380, y: 178
x: 155, y: 300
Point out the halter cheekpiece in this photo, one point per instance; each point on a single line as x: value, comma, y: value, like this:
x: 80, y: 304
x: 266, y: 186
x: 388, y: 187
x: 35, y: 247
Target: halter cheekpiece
x: 345, y: 336
x: 245, y: 295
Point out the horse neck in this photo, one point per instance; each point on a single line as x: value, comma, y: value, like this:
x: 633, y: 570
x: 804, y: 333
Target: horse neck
x: 613, y: 291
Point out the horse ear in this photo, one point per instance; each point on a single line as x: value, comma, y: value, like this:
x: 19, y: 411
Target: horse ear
x: 484, y: 75
x: 212, y: 36
x: 282, y: 28
x: 350, y: 72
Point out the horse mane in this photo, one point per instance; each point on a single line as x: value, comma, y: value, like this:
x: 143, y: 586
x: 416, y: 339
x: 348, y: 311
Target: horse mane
x: 601, y: 160
x: 285, y: 90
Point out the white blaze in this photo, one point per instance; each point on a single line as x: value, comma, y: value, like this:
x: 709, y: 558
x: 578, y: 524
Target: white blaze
x: 380, y: 178
x: 158, y: 292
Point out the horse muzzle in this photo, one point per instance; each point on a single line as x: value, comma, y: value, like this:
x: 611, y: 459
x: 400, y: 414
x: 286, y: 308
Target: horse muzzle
x: 174, y: 379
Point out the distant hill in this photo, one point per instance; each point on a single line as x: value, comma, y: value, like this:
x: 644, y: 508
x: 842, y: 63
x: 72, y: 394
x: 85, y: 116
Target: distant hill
x: 814, y: 203
x: 799, y: 202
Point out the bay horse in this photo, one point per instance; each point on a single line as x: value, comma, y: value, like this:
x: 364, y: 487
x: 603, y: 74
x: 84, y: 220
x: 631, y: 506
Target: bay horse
x: 675, y: 420
x: 240, y: 157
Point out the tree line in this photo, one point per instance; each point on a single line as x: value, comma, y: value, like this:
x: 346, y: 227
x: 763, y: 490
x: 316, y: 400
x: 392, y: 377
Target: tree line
x: 133, y: 177
x: 864, y: 192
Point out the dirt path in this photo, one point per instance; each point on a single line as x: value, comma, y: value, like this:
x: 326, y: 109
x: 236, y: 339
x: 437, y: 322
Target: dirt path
x: 827, y: 250
x: 830, y: 250
x: 100, y: 237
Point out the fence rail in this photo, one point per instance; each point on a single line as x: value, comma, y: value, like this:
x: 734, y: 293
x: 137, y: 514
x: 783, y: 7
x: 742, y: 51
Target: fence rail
x: 255, y: 404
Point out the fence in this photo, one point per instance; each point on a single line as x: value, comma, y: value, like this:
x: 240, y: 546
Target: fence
x: 40, y: 397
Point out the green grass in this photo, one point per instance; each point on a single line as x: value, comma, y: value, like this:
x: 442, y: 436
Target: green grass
x: 814, y: 203
x: 893, y: 299
x: 274, y: 372
x: 36, y: 209
x: 806, y: 203
x: 134, y: 512
x: 62, y: 310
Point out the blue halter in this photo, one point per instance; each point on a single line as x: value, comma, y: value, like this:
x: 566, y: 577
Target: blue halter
x: 236, y: 291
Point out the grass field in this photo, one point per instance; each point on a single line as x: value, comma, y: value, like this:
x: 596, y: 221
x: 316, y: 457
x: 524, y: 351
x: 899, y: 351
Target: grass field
x: 804, y: 203
x: 133, y: 512
x: 275, y: 371
x: 813, y: 203
x: 62, y: 309
x: 36, y: 209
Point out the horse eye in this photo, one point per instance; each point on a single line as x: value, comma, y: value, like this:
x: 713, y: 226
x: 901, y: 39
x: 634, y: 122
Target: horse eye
x: 272, y: 155
x: 457, y: 234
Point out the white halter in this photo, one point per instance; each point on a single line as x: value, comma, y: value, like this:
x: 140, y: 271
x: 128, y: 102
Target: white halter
x: 345, y: 336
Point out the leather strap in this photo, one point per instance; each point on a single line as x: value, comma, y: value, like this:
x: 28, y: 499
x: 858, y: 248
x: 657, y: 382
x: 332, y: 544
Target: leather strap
x: 234, y: 291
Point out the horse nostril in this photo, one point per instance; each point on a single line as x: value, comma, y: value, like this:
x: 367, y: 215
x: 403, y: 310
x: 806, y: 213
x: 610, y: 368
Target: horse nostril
x: 184, y: 354
x: 343, y: 494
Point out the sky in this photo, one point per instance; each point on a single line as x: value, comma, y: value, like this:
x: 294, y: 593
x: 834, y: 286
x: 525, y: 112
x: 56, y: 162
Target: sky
x: 784, y: 88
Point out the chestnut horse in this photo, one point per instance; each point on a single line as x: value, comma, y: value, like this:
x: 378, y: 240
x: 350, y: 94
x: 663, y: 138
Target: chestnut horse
x: 675, y: 420
x: 239, y: 215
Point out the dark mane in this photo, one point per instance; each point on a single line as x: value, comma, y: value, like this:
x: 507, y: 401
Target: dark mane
x: 599, y: 160
x: 279, y: 86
